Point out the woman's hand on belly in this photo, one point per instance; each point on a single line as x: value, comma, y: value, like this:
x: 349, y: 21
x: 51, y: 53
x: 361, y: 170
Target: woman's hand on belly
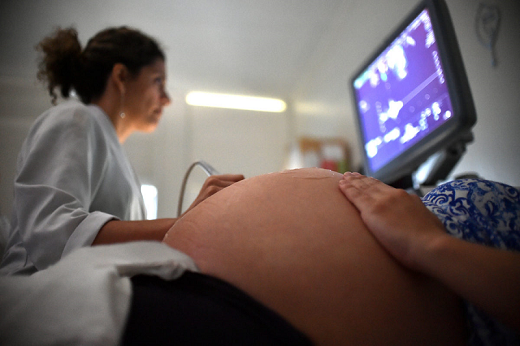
x: 399, y: 221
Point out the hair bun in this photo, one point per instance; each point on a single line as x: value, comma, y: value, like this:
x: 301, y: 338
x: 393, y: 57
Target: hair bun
x: 60, y: 63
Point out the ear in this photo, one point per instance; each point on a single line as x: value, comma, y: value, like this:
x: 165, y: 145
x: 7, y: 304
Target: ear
x: 119, y: 76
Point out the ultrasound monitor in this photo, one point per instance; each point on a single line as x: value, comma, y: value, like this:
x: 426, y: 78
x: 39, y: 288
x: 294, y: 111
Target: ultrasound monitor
x: 413, y: 101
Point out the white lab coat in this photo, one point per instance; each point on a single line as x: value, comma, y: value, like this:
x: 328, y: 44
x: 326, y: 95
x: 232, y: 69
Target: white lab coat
x: 73, y: 176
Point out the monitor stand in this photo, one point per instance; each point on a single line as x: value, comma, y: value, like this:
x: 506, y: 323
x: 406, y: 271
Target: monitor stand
x: 446, y: 160
x: 439, y: 167
x: 407, y: 183
x: 404, y: 183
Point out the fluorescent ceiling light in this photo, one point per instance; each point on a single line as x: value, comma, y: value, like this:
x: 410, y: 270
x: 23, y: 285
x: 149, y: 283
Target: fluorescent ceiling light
x: 204, y: 99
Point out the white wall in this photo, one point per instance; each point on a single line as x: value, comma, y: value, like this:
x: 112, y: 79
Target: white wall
x: 323, y: 104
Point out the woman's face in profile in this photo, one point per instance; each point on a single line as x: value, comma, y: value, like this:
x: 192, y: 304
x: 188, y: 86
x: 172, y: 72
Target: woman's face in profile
x: 146, y: 96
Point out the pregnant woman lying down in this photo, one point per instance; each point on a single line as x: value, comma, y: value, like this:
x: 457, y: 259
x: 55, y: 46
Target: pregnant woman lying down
x: 294, y: 243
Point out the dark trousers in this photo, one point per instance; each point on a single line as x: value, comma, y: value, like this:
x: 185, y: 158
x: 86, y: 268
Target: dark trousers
x: 198, y: 309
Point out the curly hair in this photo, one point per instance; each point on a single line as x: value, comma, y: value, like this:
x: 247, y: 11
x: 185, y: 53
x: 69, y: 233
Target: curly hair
x: 64, y: 65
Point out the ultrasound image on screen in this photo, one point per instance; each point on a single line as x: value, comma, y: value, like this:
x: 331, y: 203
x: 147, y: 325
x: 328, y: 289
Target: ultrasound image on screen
x: 402, y: 96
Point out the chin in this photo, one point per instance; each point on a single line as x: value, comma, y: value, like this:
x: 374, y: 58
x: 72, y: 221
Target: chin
x: 149, y: 127
x: 151, y: 123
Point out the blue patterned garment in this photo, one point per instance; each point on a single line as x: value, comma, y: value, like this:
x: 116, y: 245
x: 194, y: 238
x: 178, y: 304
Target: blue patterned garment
x: 486, y: 213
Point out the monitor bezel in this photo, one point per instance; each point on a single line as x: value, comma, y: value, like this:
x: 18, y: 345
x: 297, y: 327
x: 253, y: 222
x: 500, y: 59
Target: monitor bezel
x: 464, y: 115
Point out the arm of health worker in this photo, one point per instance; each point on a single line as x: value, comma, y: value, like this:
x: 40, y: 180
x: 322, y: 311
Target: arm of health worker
x: 116, y: 231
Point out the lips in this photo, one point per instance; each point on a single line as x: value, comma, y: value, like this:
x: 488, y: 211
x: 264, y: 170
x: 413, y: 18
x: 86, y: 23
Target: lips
x: 157, y: 112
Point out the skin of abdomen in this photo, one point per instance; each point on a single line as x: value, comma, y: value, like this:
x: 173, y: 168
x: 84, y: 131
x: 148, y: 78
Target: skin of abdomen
x: 292, y: 241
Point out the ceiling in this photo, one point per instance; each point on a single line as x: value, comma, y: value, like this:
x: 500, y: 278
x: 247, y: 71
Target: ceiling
x: 262, y: 47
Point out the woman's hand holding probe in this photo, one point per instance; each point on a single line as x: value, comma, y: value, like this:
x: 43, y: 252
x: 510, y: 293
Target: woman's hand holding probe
x: 214, y: 184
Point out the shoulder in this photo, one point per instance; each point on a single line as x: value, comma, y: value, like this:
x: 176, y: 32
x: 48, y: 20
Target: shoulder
x: 68, y: 134
x: 67, y: 113
x: 70, y: 127
x: 70, y: 119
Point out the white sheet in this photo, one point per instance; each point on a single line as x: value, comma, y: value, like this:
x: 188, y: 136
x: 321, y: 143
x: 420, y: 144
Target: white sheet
x: 83, y: 299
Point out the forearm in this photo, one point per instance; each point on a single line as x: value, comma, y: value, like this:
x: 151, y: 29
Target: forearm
x: 487, y: 277
x: 125, y: 231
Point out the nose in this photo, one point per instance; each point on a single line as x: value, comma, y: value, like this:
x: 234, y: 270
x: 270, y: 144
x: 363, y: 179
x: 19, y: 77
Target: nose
x: 165, y: 98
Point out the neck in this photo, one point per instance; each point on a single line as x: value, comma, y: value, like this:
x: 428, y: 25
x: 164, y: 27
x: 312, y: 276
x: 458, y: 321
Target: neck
x: 113, y: 111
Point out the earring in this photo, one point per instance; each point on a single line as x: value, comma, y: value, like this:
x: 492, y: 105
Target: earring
x: 122, y: 114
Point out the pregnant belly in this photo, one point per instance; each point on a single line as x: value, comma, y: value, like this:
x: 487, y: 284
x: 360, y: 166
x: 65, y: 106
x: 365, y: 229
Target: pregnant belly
x: 293, y: 242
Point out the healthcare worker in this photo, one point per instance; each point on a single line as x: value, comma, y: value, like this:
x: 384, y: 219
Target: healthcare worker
x: 74, y: 185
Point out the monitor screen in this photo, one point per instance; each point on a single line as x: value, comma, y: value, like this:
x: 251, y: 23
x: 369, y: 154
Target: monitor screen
x: 412, y: 96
